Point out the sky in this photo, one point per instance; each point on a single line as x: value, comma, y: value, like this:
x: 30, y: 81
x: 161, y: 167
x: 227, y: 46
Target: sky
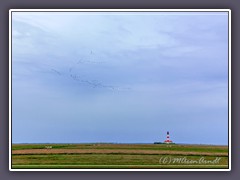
x: 120, y: 77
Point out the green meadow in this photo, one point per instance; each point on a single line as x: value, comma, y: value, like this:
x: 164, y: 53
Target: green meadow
x: 118, y: 156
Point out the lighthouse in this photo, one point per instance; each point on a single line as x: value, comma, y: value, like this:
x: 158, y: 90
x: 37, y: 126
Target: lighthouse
x: 168, y: 141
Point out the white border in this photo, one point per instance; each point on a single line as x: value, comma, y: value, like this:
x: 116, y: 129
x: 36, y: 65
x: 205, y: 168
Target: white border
x: 10, y: 89
x: 229, y: 88
x: 119, y: 10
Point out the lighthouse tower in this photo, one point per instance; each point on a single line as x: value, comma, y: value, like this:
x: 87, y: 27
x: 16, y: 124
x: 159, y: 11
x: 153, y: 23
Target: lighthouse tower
x: 168, y: 141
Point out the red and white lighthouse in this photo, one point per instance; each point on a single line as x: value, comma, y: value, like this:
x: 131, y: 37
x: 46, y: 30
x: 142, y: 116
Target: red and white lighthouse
x: 168, y: 141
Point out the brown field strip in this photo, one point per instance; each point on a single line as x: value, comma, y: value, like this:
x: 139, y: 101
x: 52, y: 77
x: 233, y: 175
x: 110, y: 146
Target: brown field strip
x: 113, y: 151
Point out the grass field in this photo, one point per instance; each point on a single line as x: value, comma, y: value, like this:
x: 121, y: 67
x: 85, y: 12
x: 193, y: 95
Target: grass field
x: 124, y: 156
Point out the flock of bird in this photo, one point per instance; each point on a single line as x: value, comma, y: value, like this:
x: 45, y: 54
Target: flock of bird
x: 80, y: 79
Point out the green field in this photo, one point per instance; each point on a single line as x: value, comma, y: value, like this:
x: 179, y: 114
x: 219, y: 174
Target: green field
x: 123, y: 156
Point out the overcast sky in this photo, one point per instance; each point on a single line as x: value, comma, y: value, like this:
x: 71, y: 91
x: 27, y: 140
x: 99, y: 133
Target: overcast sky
x: 119, y: 77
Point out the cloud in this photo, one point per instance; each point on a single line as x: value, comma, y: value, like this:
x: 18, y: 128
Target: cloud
x: 95, y: 75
